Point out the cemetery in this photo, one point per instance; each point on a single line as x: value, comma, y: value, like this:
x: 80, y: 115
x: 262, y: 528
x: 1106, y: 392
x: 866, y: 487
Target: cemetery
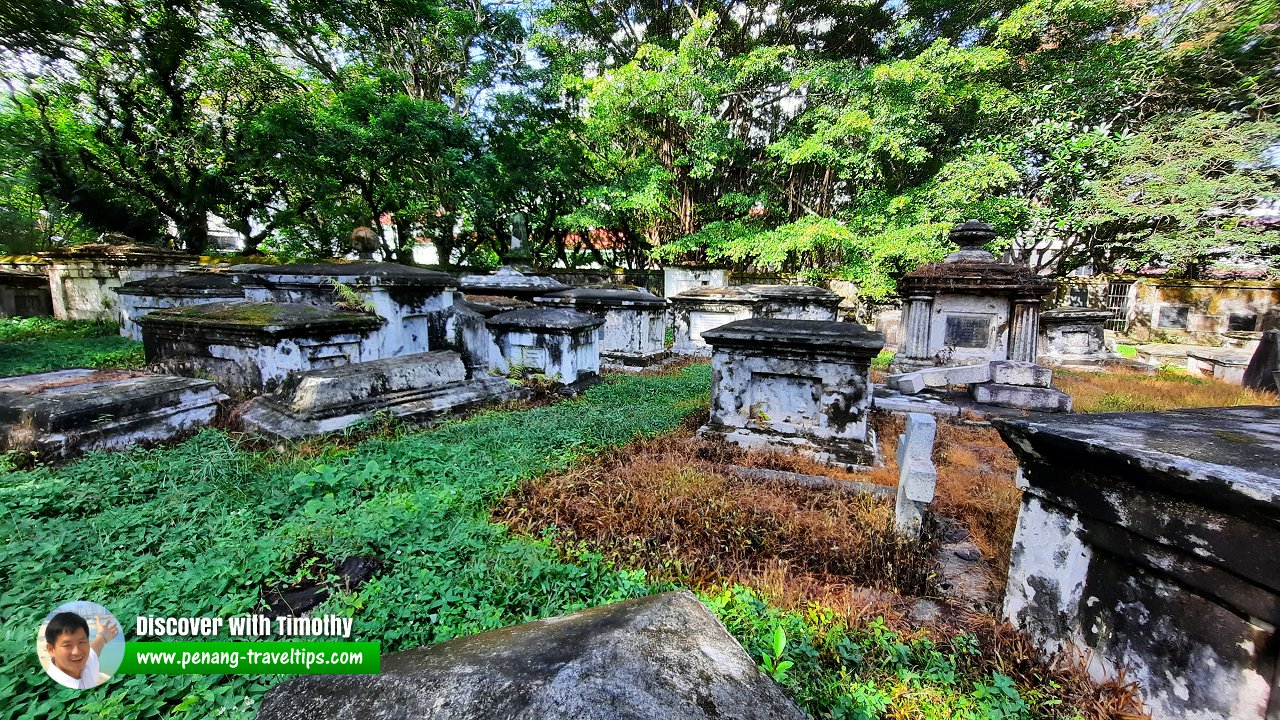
x: 628, y: 361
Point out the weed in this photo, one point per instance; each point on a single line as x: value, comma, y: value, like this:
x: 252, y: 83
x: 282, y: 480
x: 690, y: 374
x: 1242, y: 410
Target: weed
x: 1167, y: 389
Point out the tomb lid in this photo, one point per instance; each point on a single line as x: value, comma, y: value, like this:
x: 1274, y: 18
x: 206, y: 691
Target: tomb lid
x: 359, y: 273
x: 508, y: 280
x: 830, y: 336
x: 1222, y: 356
x: 544, y: 319
x: 74, y: 399
x: 261, y: 318
x: 798, y: 293
x: 1075, y: 314
x: 128, y: 253
x: 22, y: 278
x: 490, y: 305
x: 202, y: 284
x: 976, y: 278
x: 1226, y: 457
x: 603, y: 297
x: 730, y: 293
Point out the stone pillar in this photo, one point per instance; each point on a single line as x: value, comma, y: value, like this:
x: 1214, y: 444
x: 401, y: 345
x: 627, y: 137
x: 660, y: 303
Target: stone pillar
x: 915, y: 335
x: 1024, y: 329
x: 917, y: 476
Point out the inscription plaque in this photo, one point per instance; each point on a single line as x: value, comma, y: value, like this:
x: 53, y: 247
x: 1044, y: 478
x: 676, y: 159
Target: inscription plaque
x: 968, y: 331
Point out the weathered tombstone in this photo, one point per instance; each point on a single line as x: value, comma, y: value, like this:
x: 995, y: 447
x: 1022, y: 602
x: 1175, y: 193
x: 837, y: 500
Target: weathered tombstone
x: 511, y: 283
x: 794, y: 385
x: 1006, y: 383
x: 249, y: 347
x: 1074, y: 336
x: 83, y: 278
x: 71, y: 411
x: 140, y: 297
x: 970, y: 308
x: 416, y: 304
x: 917, y: 477
x: 795, y: 302
x: 1152, y: 541
x: 1225, y: 364
x: 1260, y: 374
x: 24, y: 294
x: 679, y: 279
x: 705, y: 308
x: 664, y: 656
x: 410, y: 387
x: 635, y: 322
x: 559, y: 343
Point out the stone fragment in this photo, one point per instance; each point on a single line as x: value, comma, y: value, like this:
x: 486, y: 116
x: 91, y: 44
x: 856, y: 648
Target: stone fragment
x: 916, y: 473
x: 663, y: 656
x: 71, y: 411
x: 1164, y: 530
x: 1010, y: 372
x: 1024, y: 398
x: 939, y: 377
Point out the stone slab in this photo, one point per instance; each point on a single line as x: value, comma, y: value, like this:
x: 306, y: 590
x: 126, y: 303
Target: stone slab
x: 72, y: 411
x: 354, y: 384
x: 827, y: 336
x: 939, y: 377
x: 664, y: 656
x: 1012, y: 372
x: 1024, y: 398
x: 893, y: 401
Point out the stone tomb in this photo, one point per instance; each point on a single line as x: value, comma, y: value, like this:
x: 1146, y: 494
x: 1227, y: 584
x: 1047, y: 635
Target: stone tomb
x: 78, y: 410
x: 697, y: 311
x: 416, y: 304
x: 24, y: 294
x: 794, y: 385
x: 83, y: 278
x: 140, y: 297
x: 410, y: 387
x: 1074, y: 336
x: 556, y: 342
x: 663, y: 656
x: 970, y: 308
x: 1225, y: 364
x: 1152, y: 541
x: 635, y: 322
x: 511, y: 283
x: 249, y: 347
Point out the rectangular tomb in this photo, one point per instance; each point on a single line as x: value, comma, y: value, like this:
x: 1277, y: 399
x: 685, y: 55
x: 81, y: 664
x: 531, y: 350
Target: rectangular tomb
x: 1152, y: 541
x: 794, y: 385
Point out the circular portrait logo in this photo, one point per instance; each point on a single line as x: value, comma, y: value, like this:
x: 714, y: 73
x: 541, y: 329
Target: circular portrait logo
x: 80, y: 645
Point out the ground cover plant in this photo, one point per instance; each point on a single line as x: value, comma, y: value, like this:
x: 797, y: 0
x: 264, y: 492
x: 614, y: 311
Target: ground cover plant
x: 38, y: 344
x: 211, y: 526
x: 822, y: 570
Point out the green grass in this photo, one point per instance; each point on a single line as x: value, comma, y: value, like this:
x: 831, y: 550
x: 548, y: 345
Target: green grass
x: 205, y: 527
x: 1129, y: 351
x: 32, y: 345
x: 883, y: 360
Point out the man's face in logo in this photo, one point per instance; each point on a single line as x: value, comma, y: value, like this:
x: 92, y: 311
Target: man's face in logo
x: 70, y: 652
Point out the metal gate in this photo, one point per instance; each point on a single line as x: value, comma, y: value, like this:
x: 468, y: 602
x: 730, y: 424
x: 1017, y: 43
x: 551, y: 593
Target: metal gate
x: 1119, y: 300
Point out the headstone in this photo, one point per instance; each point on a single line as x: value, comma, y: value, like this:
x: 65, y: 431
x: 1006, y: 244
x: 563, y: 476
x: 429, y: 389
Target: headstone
x: 1260, y: 374
x: 799, y: 385
x: 555, y: 342
x: 635, y: 322
x: 663, y: 656
x: 1152, y: 541
x: 917, y: 476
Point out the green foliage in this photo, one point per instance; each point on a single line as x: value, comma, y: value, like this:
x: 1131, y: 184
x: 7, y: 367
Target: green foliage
x: 207, y: 526
x: 838, y: 671
x: 41, y: 344
x: 883, y: 360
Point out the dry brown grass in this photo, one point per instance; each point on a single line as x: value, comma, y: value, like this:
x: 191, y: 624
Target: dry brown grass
x: 1131, y: 391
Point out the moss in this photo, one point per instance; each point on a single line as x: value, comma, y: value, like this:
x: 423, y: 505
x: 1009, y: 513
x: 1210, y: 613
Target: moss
x: 261, y: 313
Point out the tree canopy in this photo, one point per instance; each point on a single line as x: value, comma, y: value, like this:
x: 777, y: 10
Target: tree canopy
x: 808, y: 136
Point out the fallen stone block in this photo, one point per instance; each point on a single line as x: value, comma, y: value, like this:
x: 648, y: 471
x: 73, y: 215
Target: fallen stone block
x: 938, y: 377
x: 71, y: 411
x: 1023, y: 398
x: 664, y: 656
x: 1027, y: 374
